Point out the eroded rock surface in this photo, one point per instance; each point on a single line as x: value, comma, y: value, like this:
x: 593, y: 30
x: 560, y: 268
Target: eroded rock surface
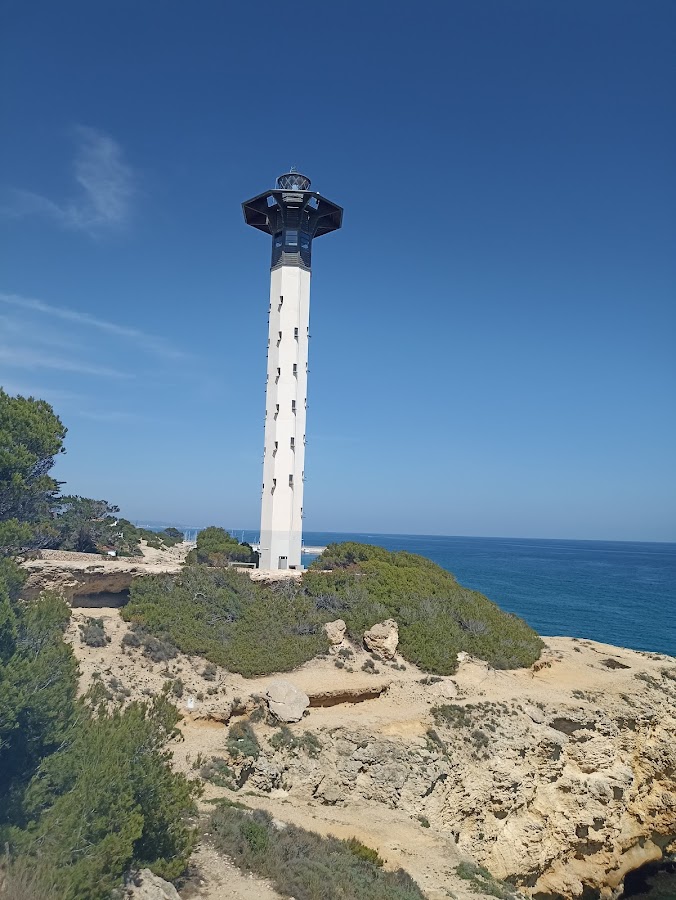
x: 79, y: 574
x: 383, y: 638
x: 285, y: 701
x: 144, y: 885
x: 560, y: 778
x: 335, y: 631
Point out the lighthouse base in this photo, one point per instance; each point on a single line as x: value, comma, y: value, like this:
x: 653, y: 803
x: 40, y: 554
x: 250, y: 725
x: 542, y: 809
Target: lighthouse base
x: 280, y: 550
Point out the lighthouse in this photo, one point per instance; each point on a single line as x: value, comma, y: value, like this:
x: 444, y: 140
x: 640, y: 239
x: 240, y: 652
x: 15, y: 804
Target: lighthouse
x: 294, y: 216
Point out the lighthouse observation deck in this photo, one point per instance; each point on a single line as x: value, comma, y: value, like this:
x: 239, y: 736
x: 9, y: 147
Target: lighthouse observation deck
x: 293, y: 215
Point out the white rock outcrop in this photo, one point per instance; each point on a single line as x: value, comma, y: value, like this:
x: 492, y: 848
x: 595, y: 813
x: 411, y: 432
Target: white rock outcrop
x: 335, y: 631
x: 145, y: 885
x: 285, y: 701
x: 383, y: 638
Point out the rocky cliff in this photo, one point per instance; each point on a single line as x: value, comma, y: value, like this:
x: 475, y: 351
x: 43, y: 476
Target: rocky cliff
x: 84, y: 574
x: 559, y: 778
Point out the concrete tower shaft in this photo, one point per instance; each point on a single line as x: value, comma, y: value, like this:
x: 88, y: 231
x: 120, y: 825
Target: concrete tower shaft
x: 293, y: 215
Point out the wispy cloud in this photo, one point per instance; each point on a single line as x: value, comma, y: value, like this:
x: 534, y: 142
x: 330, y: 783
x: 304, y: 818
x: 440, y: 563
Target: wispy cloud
x: 21, y: 331
x: 149, y: 342
x: 105, y: 182
x: 29, y: 359
x: 52, y: 395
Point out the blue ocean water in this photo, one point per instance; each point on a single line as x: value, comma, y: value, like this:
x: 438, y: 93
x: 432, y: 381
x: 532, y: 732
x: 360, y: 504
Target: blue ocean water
x: 620, y: 593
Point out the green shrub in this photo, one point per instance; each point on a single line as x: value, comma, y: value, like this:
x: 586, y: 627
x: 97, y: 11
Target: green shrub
x: 159, y: 649
x: 216, y: 547
x: 93, y: 634
x: 361, y: 851
x: 285, y: 739
x: 209, y: 673
x: 437, y: 617
x: 304, y: 865
x: 242, y: 741
x: 224, y: 616
x: 218, y: 772
x: 482, y: 882
x: 452, y: 715
x: 131, y: 639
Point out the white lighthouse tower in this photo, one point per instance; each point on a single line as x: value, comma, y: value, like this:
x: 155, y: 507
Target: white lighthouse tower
x: 293, y: 215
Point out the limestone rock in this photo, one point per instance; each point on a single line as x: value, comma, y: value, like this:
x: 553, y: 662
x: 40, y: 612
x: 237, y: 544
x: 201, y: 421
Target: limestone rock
x: 329, y: 791
x: 87, y: 574
x: 383, y: 638
x: 335, y: 631
x: 266, y: 776
x: 144, y: 885
x: 285, y: 701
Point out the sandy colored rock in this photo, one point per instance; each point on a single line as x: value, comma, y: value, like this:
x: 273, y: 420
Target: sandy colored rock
x: 76, y: 575
x: 561, y: 779
x: 144, y: 885
x: 285, y: 701
x: 335, y: 631
x: 383, y: 638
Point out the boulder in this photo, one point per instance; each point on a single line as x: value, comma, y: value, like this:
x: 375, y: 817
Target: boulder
x: 383, y: 638
x: 145, y: 885
x: 335, y: 631
x: 285, y: 701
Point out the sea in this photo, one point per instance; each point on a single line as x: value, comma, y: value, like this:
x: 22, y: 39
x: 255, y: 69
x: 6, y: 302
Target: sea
x: 616, y: 592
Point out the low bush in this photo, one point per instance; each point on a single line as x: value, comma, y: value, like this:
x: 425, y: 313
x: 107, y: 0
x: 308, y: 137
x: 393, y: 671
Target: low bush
x: 242, y: 741
x: 361, y: 851
x: 209, y: 673
x: 131, y: 639
x: 482, y: 882
x: 285, y: 739
x: 218, y: 772
x: 159, y: 649
x: 452, y: 715
x: 216, y: 547
x: 305, y: 865
x: 93, y: 633
x: 437, y: 617
x: 224, y: 616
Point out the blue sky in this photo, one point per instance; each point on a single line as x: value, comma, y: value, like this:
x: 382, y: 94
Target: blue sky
x: 493, y: 328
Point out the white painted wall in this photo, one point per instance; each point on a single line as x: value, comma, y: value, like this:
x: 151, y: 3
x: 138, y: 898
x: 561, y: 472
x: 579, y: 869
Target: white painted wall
x: 285, y: 411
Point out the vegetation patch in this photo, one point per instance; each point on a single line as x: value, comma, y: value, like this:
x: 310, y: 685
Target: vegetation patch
x: 216, y: 547
x: 304, y: 865
x: 218, y: 772
x: 86, y: 789
x: 93, y: 633
x: 256, y: 629
x: 452, y: 715
x: 285, y: 739
x: 224, y: 616
x: 437, y: 617
x: 482, y: 882
x: 242, y: 741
